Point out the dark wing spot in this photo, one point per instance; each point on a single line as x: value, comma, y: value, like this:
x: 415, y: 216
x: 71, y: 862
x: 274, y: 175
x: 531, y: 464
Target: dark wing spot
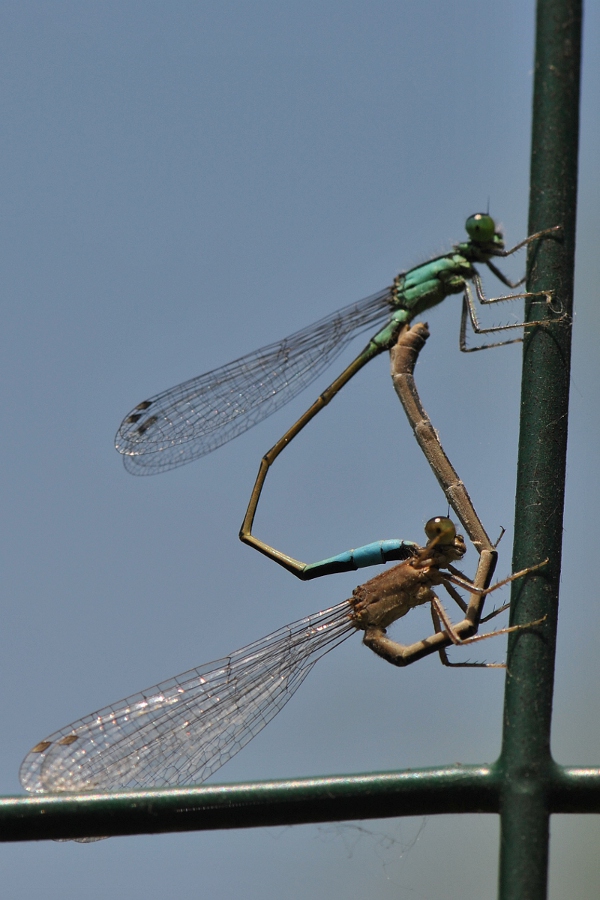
x: 146, y: 425
x: 69, y: 739
x: 39, y: 748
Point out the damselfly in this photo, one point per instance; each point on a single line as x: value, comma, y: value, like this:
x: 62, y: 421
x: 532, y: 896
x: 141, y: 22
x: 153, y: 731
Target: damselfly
x: 192, y: 419
x: 183, y: 730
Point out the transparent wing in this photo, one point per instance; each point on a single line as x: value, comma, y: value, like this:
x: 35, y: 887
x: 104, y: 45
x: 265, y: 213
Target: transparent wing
x: 184, y: 729
x: 194, y: 418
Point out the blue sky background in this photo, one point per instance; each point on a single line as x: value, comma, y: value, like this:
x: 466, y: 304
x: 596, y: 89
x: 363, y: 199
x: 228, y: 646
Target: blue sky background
x: 182, y: 183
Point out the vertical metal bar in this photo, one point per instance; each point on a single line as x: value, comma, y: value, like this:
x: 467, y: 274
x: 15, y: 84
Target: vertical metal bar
x: 525, y: 762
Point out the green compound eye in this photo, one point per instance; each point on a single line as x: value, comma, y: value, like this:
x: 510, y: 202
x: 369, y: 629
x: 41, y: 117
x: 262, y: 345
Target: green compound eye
x: 481, y: 227
x: 441, y: 528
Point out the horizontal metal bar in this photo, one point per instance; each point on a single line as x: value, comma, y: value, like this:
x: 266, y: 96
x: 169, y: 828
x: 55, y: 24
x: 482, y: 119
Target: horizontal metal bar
x: 412, y: 792
x: 575, y: 790
x: 416, y: 792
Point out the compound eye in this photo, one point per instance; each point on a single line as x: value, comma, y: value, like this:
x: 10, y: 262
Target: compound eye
x: 441, y: 528
x: 481, y: 227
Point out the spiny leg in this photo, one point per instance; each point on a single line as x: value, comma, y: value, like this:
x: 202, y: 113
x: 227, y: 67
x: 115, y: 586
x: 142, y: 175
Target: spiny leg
x: 547, y: 232
x: 469, y: 311
x: 478, y: 637
x: 460, y: 581
x: 376, y: 639
x: 437, y: 626
x: 502, y: 277
x: 468, y: 307
x: 439, y: 616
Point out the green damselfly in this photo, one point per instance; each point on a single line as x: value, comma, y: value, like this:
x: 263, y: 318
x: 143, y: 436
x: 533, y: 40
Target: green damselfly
x: 191, y: 419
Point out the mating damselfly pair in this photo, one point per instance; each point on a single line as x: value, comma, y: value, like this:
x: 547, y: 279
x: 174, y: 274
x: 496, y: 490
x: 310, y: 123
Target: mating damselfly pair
x: 182, y: 730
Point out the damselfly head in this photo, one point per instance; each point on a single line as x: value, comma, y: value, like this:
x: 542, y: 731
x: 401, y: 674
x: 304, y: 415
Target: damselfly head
x: 481, y: 228
x: 441, y: 530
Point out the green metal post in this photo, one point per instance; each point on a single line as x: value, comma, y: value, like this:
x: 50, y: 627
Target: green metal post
x: 525, y: 763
